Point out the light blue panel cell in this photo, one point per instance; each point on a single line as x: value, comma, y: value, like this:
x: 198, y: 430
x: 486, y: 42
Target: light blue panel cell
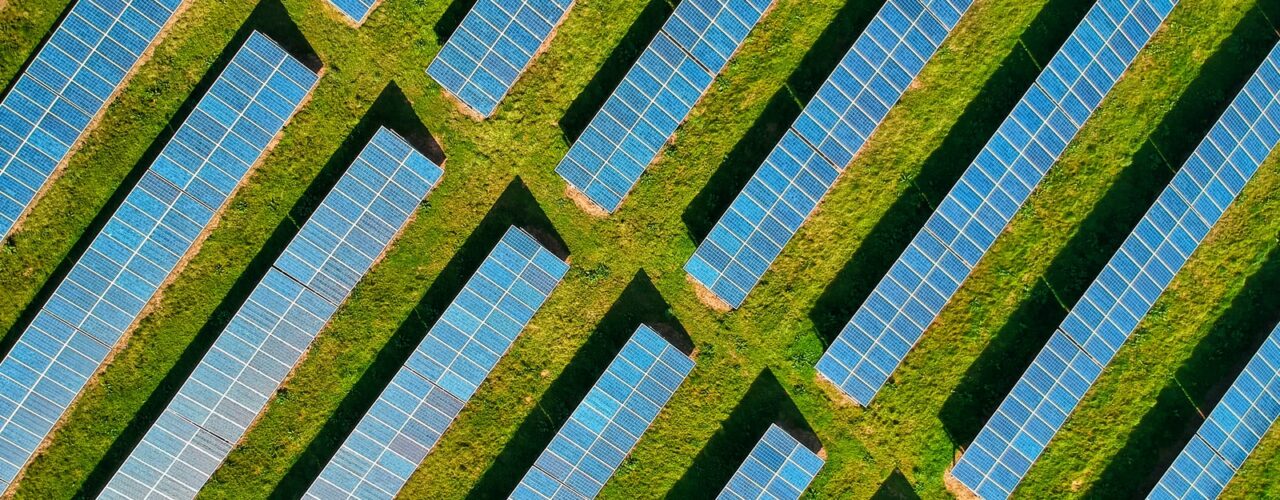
x: 1116, y: 302
x: 442, y: 374
x: 1233, y: 429
x: 831, y: 129
x: 656, y: 96
x: 134, y: 254
x: 492, y: 46
x: 610, y: 420
x: 355, y: 10
x: 983, y: 202
x: 65, y: 87
x: 779, y: 467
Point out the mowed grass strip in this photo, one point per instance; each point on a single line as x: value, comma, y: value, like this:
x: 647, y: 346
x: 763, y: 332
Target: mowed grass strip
x: 776, y: 330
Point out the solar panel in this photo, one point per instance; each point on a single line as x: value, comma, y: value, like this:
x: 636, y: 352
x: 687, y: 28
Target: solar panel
x: 609, y: 422
x: 1121, y: 295
x: 491, y: 48
x: 1234, y: 428
x: 442, y: 374
x: 262, y: 343
x: 779, y: 467
x: 988, y: 194
x: 65, y: 88
x: 835, y: 124
x: 357, y: 11
x: 656, y: 95
x: 142, y: 243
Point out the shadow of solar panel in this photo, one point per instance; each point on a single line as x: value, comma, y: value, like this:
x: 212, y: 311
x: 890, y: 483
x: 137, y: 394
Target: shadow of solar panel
x: 491, y: 48
x: 267, y: 337
x: 968, y: 220
x: 833, y: 126
x: 65, y: 87
x: 1234, y: 428
x: 442, y: 374
x: 656, y: 95
x: 142, y: 243
x: 1121, y: 295
x: 779, y: 467
x: 610, y: 421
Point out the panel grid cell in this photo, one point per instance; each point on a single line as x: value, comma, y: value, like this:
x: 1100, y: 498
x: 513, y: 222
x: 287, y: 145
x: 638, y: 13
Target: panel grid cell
x: 778, y: 468
x: 474, y: 332
x: 492, y: 46
x: 656, y: 96
x: 833, y: 126
x: 269, y: 334
x: 1234, y: 428
x: 609, y: 422
x: 1114, y: 304
x: 983, y: 202
x: 142, y: 243
x: 65, y: 87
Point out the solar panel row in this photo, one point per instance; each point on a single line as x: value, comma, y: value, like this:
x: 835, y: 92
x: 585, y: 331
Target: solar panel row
x: 779, y: 467
x: 1234, y: 428
x: 142, y: 243
x: 65, y: 87
x: 815, y: 150
x: 1121, y: 295
x: 656, y: 95
x: 442, y: 374
x: 261, y: 344
x: 491, y: 48
x: 988, y: 194
x: 609, y: 422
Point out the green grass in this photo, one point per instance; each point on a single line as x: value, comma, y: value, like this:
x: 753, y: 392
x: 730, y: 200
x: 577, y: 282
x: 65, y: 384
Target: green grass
x: 762, y: 354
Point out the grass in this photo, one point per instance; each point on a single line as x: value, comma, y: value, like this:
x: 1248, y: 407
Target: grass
x: 755, y: 364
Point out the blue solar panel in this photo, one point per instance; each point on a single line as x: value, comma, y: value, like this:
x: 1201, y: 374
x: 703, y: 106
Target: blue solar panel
x: 355, y: 10
x: 656, y: 96
x: 820, y: 144
x: 609, y: 422
x: 442, y: 374
x: 779, y: 467
x: 988, y: 194
x: 491, y: 48
x: 67, y: 85
x: 269, y: 334
x: 143, y: 241
x: 1122, y: 294
x: 1232, y: 431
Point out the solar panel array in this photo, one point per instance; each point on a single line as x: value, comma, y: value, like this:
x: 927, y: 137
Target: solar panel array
x: 66, y: 86
x: 355, y: 10
x: 779, y: 467
x: 491, y: 48
x: 967, y: 222
x: 834, y: 125
x: 269, y: 334
x: 609, y: 422
x: 442, y: 374
x: 1234, y: 428
x: 1122, y: 294
x: 142, y: 243
x: 656, y: 95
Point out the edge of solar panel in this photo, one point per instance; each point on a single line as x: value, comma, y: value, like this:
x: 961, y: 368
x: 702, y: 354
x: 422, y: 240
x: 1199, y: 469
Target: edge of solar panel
x: 1218, y: 449
x: 724, y: 280
x: 780, y: 466
x: 409, y: 423
x: 51, y: 328
x: 942, y: 254
x: 557, y: 474
x: 610, y: 205
x: 455, y: 94
x: 1112, y: 307
x: 10, y: 224
x: 346, y: 9
x: 263, y: 342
